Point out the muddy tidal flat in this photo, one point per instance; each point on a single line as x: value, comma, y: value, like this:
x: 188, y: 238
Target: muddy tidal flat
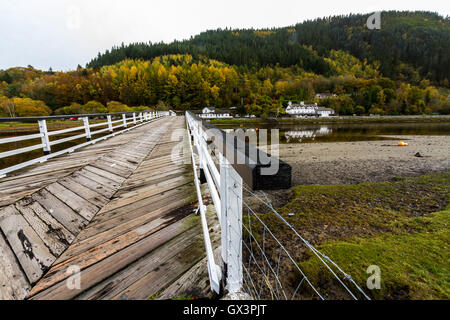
x: 366, y: 161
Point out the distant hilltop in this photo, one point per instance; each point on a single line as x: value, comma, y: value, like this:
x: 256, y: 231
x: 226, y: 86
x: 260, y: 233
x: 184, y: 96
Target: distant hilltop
x: 408, y: 43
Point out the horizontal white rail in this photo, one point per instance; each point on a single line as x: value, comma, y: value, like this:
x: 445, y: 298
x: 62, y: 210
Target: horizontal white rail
x: 21, y: 150
x: 56, y: 132
x: 223, y: 185
x: 214, y: 270
x: 67, y: 139
x: 46, y: 144
x: 21, y: 138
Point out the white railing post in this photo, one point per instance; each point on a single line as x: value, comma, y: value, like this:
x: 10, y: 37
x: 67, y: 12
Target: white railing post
x: 45, y: 140
x: 134, y: 118
x: 124, y: 117
x: 140, y: 117
x: 109, y: 123
x: 231, y: 226
x: 224, y: 167
x: 86, y: 128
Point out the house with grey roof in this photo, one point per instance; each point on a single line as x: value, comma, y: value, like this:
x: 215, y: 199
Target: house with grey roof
x: 312, y: 110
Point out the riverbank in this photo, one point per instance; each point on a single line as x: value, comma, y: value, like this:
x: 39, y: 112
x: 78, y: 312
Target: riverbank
x: 368, y: 203
x: 366, y: 161
x: 400, y: 226
x: 341, y: 119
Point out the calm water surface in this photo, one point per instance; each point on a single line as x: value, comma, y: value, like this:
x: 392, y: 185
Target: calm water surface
x: 310, y: 133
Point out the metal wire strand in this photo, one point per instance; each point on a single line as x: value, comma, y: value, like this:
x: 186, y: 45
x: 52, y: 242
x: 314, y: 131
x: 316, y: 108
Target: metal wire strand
x: 322, y: 257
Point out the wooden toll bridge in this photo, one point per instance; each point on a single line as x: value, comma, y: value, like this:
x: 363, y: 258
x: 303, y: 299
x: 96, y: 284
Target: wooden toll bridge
x: 124, y: 217
x: 122, y: 211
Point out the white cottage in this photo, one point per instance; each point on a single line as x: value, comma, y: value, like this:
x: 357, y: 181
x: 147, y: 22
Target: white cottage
x: 212, y: 113
x: 303, y: 109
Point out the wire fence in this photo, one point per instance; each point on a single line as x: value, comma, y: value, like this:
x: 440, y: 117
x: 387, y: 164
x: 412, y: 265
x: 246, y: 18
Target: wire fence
x: 266, y: 250
x: 271, y: 270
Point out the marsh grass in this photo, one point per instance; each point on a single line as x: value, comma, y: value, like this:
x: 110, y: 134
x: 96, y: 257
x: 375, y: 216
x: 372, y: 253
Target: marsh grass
x: 400, y: 226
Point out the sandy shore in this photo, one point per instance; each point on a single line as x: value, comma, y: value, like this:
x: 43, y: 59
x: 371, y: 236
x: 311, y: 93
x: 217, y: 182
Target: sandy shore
x: 365, y: 161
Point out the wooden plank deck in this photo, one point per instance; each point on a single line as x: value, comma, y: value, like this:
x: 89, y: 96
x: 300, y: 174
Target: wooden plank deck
x: 124, y: 216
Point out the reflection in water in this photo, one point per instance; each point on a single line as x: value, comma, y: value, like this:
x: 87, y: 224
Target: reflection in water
x: 344, y: 132
x: 299, y: 135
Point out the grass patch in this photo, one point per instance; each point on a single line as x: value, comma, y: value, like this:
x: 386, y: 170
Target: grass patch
x: 400, y: 226
x: 413, y: 266
x: 339, y: 211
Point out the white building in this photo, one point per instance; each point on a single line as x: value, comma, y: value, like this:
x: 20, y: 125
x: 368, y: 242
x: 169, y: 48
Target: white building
x: 212, y: 113
x: 302, y: 109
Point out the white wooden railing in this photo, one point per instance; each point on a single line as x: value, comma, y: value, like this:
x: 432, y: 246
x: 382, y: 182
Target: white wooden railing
x: 229, y: 215
x: 251, y: 253
x: 113, y: 121
x: 218, y: 156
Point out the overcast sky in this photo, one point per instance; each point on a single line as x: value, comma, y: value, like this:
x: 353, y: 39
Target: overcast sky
x: 64, y: 33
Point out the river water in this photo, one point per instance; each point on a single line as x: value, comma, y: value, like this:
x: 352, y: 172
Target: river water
x: 311, y: 133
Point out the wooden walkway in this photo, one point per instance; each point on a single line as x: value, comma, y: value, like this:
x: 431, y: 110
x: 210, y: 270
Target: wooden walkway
x: 121, y: 211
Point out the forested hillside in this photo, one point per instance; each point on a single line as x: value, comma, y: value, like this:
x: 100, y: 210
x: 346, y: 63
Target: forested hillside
x: 401, y: 69
x: 409, y: 45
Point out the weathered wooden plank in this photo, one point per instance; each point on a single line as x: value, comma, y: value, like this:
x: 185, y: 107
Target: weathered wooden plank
x: 33, y: 179
x: 167, y: 267
x: 193, y: 283
x: 13, y: 282
x: 148, y: 265
x: 155, y: 174
x: 171, y: 228
x: 105, y: 191
x: 99, y: 179
x: 106, y: 174
x: 11, y: 198
x: 111, y: 158
x: 50, y: 239
x: 83, y: 207
x: 112, y: 218
x: 181, y: 180
x: 112, y: 167
x: 91, y: 238
x: 134, y: 185
x: 64, y: 235
x: 33, y: 255
x: 101, y: 270
x: 60, y: 211
x: 150, y: 165
x: 161, y: 191
x: 90, y: 195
